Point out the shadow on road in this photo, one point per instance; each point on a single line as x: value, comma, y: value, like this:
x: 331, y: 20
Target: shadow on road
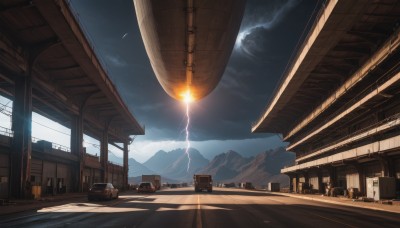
x: 218, y: 191
x: 221, y: 208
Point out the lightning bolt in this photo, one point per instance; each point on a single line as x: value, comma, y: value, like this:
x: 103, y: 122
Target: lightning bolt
x: 187, y: 133
x: 187, y: 98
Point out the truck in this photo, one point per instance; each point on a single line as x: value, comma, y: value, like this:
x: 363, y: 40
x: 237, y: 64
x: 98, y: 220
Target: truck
x: 202, y: 182
x: 246, y: 185
x: 273, y: 187
x: 155, y: 179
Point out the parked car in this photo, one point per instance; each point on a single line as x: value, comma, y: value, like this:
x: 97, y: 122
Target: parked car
x: 102, y: 191
x: 146, y: 187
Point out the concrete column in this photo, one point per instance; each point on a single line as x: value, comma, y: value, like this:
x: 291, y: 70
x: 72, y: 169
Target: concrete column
x: 104, y: 153
x: 361, y: 179
x: 291, y: 176
x: 77, y: 149
x: 306, y: 178
x: 20, y: 155
x: 126, y: 166
x: 321, y: 187
x: 332, y: 176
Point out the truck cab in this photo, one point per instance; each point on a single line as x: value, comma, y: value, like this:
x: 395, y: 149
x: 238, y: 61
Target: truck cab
x: 202, y: 182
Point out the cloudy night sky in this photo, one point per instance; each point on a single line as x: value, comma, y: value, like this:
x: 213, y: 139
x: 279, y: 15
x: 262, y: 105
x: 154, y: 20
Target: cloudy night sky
x: 269, y: 33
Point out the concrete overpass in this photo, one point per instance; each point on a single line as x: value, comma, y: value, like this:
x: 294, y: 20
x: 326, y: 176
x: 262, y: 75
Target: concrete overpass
x: 338, y: 103
x: 47, y: 65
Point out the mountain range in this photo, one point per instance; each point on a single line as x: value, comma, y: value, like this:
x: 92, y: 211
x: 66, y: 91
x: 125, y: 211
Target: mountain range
x: 175, y: 164
x: 225, y: 168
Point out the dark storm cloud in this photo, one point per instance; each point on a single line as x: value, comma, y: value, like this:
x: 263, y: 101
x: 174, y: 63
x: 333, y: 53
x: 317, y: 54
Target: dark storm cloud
x: 269, y: 32
x: 260, y: 29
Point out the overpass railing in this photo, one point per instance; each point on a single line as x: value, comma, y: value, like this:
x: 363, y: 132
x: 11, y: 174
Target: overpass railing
x: 10, y: 133
x: 6, y: 132
x: 53, y: 145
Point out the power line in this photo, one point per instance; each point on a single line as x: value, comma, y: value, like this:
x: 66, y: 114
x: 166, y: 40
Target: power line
x: 8, y: 113
x: 51, y: 128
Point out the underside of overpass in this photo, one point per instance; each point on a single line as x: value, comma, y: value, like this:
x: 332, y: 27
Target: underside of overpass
x: 338, y: 104
x: 47, y: 65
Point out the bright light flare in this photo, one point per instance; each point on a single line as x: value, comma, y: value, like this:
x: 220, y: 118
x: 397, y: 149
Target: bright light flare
x: 187, y: 97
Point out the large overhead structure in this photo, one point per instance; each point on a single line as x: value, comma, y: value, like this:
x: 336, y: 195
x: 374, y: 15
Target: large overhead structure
x: 189, y: 42
x: 47, y: 65
x: 338, y: 104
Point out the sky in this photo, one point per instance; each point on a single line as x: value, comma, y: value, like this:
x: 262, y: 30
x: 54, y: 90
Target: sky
x: 269, y: 33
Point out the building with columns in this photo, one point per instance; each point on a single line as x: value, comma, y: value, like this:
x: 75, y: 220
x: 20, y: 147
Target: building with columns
x: 49, y: 66
x: 338, y: 103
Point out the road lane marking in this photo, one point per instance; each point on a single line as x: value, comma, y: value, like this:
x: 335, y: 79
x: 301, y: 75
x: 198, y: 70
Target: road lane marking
x: 334, y: 220
x: 198, y: 216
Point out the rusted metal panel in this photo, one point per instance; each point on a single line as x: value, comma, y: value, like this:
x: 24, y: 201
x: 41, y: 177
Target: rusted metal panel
x: 36, y: 166
x: 87, y: 178
x: 36, y: 172
x: 4, y: 175
x: 92, y: 161
x: 97, y: 175
x: 49, y: 169
x: 63, y: 171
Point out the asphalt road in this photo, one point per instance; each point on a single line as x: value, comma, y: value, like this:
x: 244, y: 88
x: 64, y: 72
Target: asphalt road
x: 185, y: 208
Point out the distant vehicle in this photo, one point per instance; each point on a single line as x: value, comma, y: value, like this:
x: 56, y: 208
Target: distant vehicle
x: 248, y: 185
x: 273, y: 187
x: 102, y: 191
x: 174, y: 185
x: 229, y: 185
x: 146, y: 187
x: 202, y: 182
x: 154, y: 179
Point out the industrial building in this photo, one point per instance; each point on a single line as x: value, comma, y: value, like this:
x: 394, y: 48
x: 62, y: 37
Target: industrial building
x: 48, y: 66
x: 338, y: 103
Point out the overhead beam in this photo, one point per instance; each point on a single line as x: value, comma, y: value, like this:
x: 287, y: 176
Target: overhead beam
x: 390, y: 46
x: 395, y: 79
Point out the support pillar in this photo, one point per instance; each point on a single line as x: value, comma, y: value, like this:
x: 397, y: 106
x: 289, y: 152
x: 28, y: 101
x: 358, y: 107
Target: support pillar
x: 104, y: 153
x: 361, y: 179
x: 77, y: 149
x: 332, y: 176
x: 126, y: 166
x: 20, y: 155
x: 321, y: 186
x: 292, y: 182
x: 306, y: 177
